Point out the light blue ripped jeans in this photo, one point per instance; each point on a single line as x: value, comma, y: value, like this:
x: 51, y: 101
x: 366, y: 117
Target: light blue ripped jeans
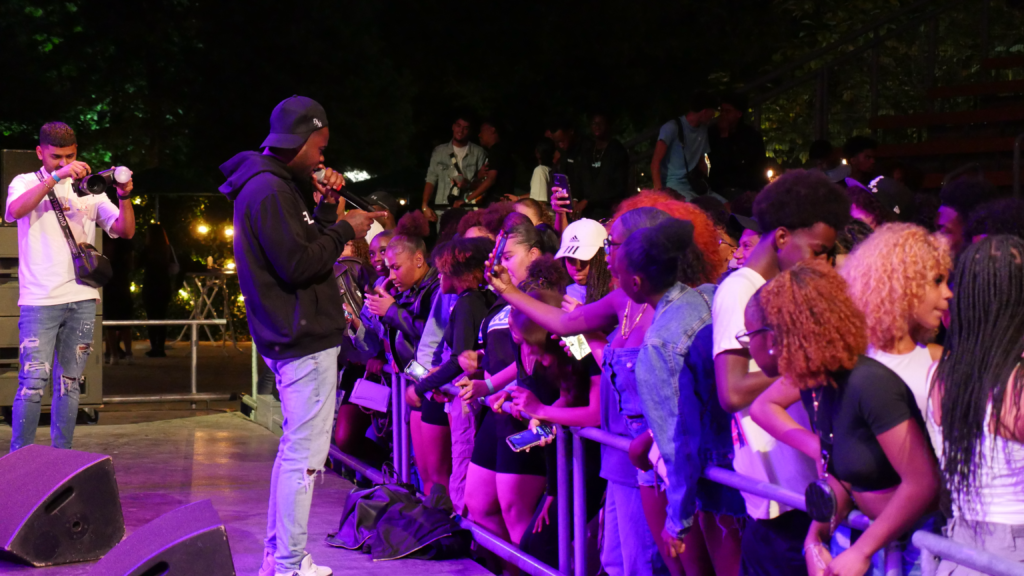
x: 307, y: 386
x: 55, y: 341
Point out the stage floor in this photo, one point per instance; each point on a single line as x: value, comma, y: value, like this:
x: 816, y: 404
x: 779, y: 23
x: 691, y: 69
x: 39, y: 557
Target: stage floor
x: 225, y: 458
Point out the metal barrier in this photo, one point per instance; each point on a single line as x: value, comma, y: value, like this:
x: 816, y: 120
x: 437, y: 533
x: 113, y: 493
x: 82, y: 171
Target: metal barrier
x: 937, y: 545
x: 194, y: 348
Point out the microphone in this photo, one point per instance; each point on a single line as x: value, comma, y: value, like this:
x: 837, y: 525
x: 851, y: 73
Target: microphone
x: 320, y: 175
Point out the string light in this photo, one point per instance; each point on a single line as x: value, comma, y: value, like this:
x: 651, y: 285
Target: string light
x: 770, y: 173
x: 402, y: 201
x: 229, y: 231
x: 203, y: 229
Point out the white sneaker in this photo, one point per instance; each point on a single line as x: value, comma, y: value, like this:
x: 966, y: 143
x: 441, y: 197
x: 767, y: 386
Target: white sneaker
x: 307, y: 568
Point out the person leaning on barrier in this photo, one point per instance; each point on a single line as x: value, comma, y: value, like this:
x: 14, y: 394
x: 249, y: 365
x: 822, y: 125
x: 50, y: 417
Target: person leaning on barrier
x: 866, y: 433
x: 285, y: 261
x: 58, y: 313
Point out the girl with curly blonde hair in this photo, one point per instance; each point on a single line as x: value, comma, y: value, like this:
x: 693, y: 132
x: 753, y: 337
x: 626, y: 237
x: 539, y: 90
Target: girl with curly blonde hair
x: 897, y: 278
x: 804, y: 327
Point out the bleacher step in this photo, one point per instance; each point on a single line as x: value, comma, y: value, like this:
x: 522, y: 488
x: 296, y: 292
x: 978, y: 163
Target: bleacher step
x: 978, y: 89
x: 946, y: 147
x: 962, y: 118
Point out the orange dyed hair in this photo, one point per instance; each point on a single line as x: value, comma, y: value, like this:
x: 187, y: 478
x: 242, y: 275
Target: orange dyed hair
x: 704, y: 234
x: 888, y: 274
x: 818, y: 329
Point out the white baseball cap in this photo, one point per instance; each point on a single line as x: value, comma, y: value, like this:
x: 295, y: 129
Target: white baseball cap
x: 582, y: 239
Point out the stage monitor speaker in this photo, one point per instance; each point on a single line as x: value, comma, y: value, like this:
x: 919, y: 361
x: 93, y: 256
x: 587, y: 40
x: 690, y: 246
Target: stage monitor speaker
x: 12, y: 163
x: 60, y: 506
x: 188, y: 541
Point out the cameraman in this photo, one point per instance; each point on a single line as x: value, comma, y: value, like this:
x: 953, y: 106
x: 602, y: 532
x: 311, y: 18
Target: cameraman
x: 285, y: 269
x: 57, y: 313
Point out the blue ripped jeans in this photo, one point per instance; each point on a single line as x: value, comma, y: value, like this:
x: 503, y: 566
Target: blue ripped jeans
x: 307, y: 386
x: 55, y: 342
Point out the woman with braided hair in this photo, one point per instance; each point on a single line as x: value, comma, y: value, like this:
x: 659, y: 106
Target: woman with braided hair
x: 976, y: 401
x: 804, y: 327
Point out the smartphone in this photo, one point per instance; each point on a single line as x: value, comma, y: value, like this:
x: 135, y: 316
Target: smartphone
x: 416, y: 371
x: 498, y: 251
x: 578, y: 346
x: 560, y: 183
x: 528, y: 439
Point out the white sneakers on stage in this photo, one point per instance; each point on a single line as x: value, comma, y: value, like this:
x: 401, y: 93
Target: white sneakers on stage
x: 306, y: 567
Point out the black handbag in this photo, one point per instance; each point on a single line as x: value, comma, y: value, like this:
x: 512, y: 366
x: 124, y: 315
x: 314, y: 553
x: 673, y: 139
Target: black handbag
x: 820, y: 499
x: 698, y: 180
x: 91, y: 268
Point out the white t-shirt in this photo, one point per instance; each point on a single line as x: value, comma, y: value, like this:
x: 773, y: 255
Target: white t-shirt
x: 540, y: 183
x: 46, y: 274
x: 758, y: 454
x: 912, y: 367
x: 460, y: 153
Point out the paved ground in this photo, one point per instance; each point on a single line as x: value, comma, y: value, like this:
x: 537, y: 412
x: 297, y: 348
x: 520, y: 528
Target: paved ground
x: 161, y: 465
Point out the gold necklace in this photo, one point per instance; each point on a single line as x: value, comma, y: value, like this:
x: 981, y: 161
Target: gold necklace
x: 625, y: 320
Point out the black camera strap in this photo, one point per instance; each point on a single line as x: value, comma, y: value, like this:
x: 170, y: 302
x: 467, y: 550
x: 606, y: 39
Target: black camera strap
x: 62, y: 219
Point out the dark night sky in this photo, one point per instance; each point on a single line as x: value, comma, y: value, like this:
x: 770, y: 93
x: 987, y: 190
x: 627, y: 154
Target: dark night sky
x: 184, y: 84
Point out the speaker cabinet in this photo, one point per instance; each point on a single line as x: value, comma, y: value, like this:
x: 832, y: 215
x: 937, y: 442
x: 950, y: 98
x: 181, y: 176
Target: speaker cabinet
x: 60, y: 506
x: 188, y: 541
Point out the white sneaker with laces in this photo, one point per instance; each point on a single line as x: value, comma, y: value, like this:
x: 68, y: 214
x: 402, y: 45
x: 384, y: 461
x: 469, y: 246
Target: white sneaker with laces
x: 307, y: 568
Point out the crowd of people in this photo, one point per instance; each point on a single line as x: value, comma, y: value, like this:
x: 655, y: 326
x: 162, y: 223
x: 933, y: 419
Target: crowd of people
x: 832, y: 333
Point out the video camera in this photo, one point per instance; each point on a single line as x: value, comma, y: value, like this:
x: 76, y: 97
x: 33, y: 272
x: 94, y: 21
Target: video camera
x: 99, y: 182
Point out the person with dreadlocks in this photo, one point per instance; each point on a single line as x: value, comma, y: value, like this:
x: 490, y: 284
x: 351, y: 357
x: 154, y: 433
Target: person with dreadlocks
x: 868, y: 434
x: 975, y: 401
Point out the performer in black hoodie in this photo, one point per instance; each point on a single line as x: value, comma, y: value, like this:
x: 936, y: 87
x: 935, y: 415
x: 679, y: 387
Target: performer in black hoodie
x: 285, y: 264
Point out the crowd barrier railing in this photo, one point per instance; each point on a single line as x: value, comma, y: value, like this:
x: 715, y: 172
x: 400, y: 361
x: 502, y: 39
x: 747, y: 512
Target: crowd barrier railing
x: 194, y: 349
x: 572, y: 554
x: 939, y: 546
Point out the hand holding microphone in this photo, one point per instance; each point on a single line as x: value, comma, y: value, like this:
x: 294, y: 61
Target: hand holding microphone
x: 331, y: 184
x: 328, y: 183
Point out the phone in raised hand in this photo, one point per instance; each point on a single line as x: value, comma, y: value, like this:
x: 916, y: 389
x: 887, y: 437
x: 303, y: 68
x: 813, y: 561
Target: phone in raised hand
x: 560, y: 183
x: 498, y: 251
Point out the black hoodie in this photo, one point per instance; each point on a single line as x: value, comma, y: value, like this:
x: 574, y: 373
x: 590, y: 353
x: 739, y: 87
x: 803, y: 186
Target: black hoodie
x: 285, y: 259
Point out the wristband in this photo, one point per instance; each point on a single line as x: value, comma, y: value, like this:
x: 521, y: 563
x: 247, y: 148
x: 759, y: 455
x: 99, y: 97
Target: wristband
x: 56, y: 178
x: 490, y: 385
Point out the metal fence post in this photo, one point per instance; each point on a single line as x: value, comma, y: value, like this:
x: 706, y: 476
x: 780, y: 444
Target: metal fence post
x: 579, y: 506
x: 396, y: 437
x: 403, y: 406
x: 194, y: 344
x: 563, y: 500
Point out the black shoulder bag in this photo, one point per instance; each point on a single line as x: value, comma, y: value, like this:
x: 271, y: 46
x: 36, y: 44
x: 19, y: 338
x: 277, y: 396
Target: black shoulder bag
x: 821, y: 501
x: 698, y: 181
x: 91, y: 268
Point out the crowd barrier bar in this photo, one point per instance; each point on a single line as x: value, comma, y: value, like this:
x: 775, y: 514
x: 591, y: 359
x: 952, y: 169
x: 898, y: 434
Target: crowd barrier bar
x: 935, y: 544
x: 193, y: 346
x: 939, y: 546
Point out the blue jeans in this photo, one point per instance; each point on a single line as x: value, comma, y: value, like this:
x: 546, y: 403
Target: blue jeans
x: 629, y: 548
x: 307, y: 386
x: 57, y: 337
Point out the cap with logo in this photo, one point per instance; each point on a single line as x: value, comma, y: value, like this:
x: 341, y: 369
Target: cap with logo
x: 382, y: 198
x: 292, y: 122
x: 582, y: 239
x: 894, y: 197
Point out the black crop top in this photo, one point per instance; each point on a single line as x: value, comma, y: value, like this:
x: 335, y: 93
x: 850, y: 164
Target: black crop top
x: 867, y: 401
